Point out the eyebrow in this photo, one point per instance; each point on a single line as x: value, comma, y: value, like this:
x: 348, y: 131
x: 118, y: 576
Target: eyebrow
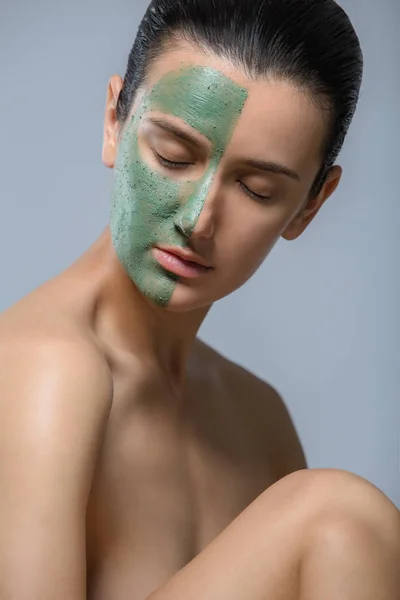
x: 272, y: 167
x: 261, y: 165
x: 179, y: 133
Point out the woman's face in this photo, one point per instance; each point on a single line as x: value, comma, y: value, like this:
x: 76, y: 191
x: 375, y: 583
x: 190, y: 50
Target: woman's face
x: 216, y: 167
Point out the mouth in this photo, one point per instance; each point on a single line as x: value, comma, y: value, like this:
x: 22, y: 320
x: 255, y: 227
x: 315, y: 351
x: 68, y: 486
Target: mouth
x: 181, y: 262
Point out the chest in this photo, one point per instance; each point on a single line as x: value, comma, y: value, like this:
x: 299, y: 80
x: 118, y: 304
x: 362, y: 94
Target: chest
x: 162, y: 491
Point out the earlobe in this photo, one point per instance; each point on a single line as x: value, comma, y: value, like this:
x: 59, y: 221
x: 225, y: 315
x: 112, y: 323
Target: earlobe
x: 111, y: 125
x: 307, y: 214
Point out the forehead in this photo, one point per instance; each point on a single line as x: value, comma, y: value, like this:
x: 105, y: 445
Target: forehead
x: 203, y: 97
x: 266, y: 118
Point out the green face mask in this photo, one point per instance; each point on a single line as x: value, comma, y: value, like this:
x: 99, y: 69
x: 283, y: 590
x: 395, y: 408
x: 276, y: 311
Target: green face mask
x: 149, y: 207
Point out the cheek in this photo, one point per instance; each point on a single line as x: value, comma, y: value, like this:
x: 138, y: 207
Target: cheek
x: 148, y: 197
x: 155, y: 195
x: 249, y: 237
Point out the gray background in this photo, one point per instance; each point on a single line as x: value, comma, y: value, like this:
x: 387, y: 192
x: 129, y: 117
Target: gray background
x: 320, y: 320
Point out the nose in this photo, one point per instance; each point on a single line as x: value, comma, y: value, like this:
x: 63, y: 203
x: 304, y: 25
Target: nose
x: 196, y: 216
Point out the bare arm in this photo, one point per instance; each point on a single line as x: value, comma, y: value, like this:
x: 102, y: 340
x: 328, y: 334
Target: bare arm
x: 54, y: 402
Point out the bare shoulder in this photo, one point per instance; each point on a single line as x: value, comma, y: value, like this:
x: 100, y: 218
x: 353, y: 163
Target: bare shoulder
x: 55, y: 395
x: 261, y: 407
x: 254, y: 392
x: 40, y: 345
x: 55, y: 398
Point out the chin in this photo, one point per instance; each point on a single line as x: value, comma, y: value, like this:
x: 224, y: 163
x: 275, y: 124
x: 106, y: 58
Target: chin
x: 185, y: 300
x: 186, y: 306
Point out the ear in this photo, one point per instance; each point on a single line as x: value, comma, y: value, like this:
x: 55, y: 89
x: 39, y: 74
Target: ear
x: 307, y: 214
x: 111, y: 125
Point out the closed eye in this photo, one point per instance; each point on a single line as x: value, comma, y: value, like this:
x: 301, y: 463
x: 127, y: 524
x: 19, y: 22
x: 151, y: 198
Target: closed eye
x: 169, y: 164
x: 173, y: 165
x: 257, y: 197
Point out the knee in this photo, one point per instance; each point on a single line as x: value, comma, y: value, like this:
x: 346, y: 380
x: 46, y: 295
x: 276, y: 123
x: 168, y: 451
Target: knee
x: 342, y: 506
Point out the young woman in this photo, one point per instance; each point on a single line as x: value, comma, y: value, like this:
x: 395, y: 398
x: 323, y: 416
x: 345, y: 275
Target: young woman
x: 135, y: 461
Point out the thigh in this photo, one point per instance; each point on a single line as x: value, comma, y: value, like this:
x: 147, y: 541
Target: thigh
x: 260, y: 556
x: 255, y: 557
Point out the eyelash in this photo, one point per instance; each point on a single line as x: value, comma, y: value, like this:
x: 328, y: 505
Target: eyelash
x: 168, y: 164
x: 256, y: 197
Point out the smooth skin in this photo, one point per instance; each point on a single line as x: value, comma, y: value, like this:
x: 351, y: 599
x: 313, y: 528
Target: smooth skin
x: 136, y: 462
x: 316, y: 535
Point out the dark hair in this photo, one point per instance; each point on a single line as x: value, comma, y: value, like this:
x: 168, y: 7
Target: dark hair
x: 311, y: 43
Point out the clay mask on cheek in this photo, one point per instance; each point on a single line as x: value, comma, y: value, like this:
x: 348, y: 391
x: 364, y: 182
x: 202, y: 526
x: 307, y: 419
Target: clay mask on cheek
x: 149, y: 207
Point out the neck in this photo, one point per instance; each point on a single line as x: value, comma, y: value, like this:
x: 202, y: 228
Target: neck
x: 133, y: 322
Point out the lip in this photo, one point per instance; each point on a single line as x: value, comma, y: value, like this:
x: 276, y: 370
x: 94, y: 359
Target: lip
x: 185, y: 254
x: 181, y: 262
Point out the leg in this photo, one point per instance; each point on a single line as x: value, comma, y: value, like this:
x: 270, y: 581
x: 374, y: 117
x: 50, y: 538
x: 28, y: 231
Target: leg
x: 314, y: 535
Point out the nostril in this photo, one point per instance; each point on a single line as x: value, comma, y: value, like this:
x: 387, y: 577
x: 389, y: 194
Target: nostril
x: 184, y: 226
